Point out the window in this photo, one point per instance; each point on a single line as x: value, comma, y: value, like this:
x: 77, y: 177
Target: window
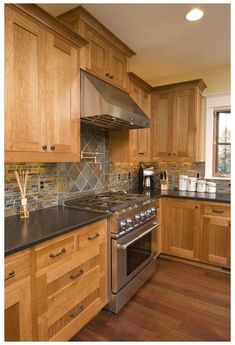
x: 222, y: 143
x: 218, y: 136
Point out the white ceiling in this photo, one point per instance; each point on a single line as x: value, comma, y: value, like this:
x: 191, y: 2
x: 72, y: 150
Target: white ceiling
x: 165, y: 43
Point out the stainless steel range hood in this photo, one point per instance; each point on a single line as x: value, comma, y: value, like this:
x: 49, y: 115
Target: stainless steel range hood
x: 106, y: 106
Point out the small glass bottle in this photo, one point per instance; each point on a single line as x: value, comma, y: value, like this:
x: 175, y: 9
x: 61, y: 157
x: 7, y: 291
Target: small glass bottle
x: 24, y: 213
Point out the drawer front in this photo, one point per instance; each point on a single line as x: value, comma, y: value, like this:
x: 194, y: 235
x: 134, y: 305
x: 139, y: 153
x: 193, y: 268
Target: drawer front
x: 94, y: 234
x: 56, y: 252
x: 16, y: 270
x: 217, y: 209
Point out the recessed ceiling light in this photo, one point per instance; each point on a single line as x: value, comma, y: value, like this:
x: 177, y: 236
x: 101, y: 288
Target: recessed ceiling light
x: 194, y: 14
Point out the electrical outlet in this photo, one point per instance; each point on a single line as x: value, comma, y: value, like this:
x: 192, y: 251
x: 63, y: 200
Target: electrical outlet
x: 119, y: 177
x: 41, y: 184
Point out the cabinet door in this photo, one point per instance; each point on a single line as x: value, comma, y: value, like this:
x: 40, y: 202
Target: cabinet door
x: 139, y: 139
x: 98, y: 54
x: 18, y: 323
x: 117, y: 68
x: 181, y: 222
x: 216, y: 241
x: 162, y: 127
x: 62, y: 96
x: 24, y: 79
x: 184, y: 123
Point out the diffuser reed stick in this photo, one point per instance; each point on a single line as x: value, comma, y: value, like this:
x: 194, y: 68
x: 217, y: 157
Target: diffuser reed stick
x: 22, y: 178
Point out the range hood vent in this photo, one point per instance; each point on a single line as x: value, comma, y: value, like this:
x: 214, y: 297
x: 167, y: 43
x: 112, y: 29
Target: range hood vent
x: 108, y: 107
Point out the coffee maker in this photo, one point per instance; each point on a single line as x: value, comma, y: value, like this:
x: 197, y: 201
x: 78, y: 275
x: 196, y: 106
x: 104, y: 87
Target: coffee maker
x: 146, y: 177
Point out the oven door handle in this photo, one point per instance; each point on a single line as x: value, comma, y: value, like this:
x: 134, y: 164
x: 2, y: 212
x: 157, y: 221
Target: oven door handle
x: 124, y: 246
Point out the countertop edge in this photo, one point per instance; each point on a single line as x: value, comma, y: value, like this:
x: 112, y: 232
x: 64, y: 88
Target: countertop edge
x: 55, y: 234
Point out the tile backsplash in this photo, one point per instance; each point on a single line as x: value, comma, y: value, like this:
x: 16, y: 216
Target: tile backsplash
x: 51, y: 183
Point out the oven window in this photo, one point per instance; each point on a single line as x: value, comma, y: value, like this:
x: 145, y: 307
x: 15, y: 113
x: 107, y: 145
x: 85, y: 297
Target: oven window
x: 138, y: 252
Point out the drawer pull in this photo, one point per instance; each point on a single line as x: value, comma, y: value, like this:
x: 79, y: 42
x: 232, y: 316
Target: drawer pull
x: 218, y: 211
x: 75, y: 276
x: 10, y: 275
x: 52, y: 255
x: 81, y: 308
x: 90, y: 238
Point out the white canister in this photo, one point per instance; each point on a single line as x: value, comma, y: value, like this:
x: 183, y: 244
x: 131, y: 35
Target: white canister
x: 192, y: 184
x: 201, y: 186
x: 183, y: 182
x: 211, y: 187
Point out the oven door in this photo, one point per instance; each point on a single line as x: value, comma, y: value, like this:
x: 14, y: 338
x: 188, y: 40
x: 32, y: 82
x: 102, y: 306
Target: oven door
x: 132, y: 252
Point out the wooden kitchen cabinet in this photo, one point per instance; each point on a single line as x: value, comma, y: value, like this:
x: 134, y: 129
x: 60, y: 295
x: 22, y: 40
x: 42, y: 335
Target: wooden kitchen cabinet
x: 18, y: 316
x: 181, y: 221
x: 177, y: 129
x: 105, y: 56
x: 133, y: 145
x: 42, y: 88
x: 215, y: 247
x: 71, y: 280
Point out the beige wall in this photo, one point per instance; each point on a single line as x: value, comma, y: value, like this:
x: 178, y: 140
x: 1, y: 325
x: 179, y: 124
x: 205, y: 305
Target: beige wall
x: 217, y: 79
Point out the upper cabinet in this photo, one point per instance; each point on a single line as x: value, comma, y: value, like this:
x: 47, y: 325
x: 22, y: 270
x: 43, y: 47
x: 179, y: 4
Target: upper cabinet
x: 105, y: 56
x: 41, y: 87
x: 139, y: 139
x: 133, y: 145
x: 177, y: 129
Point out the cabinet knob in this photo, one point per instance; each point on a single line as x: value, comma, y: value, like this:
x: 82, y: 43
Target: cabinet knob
x: 169, y: 154
x: 174, y: 153
x: 52, y: 147
x: 106, y: 74
x: 196, y: 207
x: 111, y: 77
x: 44, y: 147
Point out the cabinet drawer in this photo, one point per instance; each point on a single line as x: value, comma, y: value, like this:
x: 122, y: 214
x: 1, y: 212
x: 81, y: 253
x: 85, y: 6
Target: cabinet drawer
x: 94, y: 234
x: 217, y: 209
x: 16, y: 269
x: 55, y: 252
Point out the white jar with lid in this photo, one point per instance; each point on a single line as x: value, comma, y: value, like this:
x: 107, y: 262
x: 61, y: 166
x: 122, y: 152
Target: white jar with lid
x: 201, y: 186
x: 192, y: 184
x: 211, y: 187
x: 183, y: 182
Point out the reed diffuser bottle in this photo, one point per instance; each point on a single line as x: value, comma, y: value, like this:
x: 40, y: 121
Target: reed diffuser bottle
x: 22, y: 178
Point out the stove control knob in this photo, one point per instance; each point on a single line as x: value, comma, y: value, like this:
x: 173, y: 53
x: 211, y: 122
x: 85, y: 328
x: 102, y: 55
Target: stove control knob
x: 149, y: 212
x: 122, y: 224
x: 137, y: 217
x: 129, y: 221
x: 142, y: 215
x: 153, y: 210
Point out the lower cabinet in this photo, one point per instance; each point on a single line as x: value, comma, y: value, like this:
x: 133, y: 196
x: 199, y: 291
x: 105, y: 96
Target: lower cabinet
x: 181, y: 225
x: 215, y: 247
x: 69, y: 280
x: 18, y: 319
x: 196, y: 230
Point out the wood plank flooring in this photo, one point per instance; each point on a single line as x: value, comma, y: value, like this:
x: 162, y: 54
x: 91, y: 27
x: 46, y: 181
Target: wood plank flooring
x: 179, y: 302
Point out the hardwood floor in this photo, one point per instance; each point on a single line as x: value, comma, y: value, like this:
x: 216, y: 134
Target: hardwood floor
x: 180, y: 302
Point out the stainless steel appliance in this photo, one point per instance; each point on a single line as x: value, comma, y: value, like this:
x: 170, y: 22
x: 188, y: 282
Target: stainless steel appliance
x: 146, y: 177
x: 106, y: 106
x: 133, y: 241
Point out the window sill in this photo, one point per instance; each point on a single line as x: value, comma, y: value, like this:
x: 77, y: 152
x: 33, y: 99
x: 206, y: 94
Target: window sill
x: 217, y: 178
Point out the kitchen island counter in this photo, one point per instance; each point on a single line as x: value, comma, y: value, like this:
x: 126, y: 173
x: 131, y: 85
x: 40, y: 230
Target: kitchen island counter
x: 45, y: 224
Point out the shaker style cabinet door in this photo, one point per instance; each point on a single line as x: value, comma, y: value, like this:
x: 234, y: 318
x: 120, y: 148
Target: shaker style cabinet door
x: 180, y: 228
x: 184, y: 123
x: 25, y: 128
x: 117, y: 68
x: 162, y: 127
x: 62, y: 96
x: 18, y: 322
x: 98, y: 50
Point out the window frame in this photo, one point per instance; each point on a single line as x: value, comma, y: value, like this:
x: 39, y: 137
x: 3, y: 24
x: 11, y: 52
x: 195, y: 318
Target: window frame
x: 214, y: 102
x: 216, y: 142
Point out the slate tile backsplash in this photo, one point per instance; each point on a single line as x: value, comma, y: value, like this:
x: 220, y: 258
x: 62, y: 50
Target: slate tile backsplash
x: 51, y: 183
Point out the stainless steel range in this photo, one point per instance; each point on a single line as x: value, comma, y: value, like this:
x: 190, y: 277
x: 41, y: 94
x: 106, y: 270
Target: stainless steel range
x: 133, y: 241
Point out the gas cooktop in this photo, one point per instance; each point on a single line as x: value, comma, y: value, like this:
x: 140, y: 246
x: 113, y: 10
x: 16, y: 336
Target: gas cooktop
x: 107, y: 202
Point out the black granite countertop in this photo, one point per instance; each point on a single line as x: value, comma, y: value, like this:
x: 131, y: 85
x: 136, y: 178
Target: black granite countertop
x: 43, y: 225
x: 157, y: 193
